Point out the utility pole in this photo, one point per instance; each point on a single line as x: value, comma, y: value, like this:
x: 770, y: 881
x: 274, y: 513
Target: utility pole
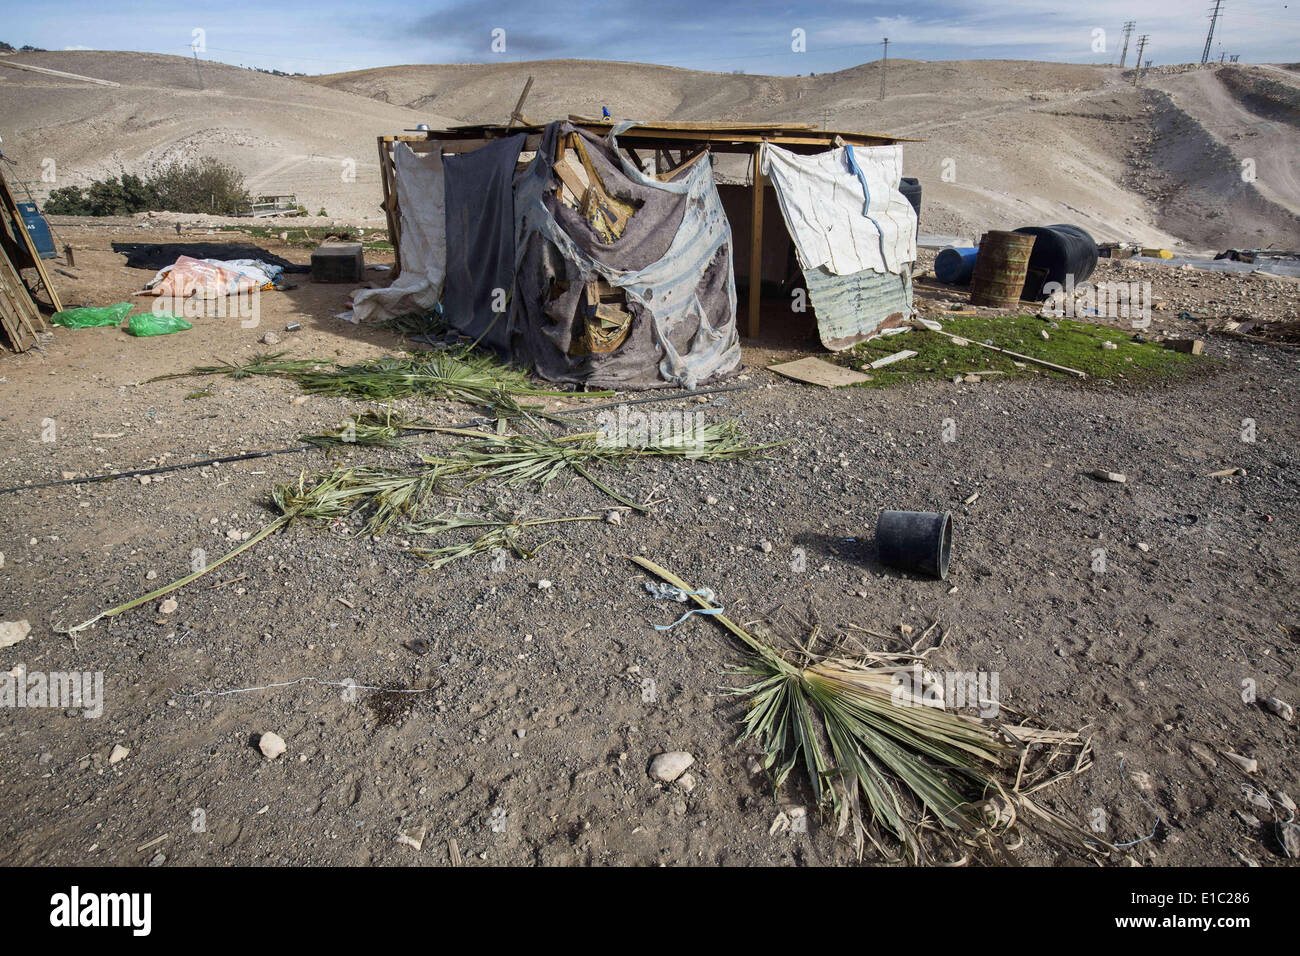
x: 1142, y: 45
x: 1214, y: 17
x: 884, y: 62
x: 1128, y: 32
x: 195, y: 50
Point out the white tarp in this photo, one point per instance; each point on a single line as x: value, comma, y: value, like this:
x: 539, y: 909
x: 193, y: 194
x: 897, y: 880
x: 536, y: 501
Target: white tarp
x: 421, y: 197
x: 843, y: 207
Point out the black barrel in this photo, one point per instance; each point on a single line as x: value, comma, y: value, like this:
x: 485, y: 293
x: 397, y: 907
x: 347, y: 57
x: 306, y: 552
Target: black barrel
x: 910, y: 187
x: 1059, y: 251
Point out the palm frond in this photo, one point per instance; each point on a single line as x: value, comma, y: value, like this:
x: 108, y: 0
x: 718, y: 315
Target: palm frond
x: 500, y: 534
x: 881, y: 758
x: 385, y: 429
x: 271, y: 364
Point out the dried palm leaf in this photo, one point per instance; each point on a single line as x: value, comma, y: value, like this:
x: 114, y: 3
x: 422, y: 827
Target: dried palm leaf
x: 258, y: 365
x: 501, y: 535
x: 881, y: 757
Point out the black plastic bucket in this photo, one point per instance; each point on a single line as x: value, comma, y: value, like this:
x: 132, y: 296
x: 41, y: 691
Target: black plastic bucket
x: 919, y: 541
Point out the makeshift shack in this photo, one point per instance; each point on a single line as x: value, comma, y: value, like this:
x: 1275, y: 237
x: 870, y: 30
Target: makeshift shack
x: 604, y: 253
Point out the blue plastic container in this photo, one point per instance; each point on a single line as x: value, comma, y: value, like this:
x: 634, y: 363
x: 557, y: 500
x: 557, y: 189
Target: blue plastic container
x: 38, y: 228
x: 955, y: 266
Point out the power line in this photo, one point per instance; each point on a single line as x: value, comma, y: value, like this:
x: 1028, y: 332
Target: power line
x: 1209, y: 37
x: 1128, y: 32
x: 884, y: 62
x: 1142, y: 45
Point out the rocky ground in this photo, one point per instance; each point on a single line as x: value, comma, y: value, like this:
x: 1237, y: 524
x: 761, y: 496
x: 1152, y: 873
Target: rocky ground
x: 1151, y: 615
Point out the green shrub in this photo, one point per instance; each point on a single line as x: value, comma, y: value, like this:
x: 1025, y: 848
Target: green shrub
x: 199, y: 185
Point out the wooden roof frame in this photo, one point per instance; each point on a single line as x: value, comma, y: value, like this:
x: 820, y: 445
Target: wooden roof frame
x: 733, y: 138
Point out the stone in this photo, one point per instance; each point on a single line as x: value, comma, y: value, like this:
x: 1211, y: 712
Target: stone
x: 765, y: 547
x: 271, y: 744
x: 168, y: 606
x: 1291, y: 840
x: 119, y: 754
x: 1117, y: 477
x: 686, y: 782
x: 1281, y: 708
x: 1244, y: 764
x: 413, y: 839
x: 270, y: 338
x: 11, y: 632
x: 667, y: 767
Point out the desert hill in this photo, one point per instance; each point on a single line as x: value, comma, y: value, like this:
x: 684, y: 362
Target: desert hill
x: 1197, y: 159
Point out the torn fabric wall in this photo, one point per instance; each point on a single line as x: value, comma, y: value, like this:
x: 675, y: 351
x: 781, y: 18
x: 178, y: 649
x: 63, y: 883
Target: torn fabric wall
x: 421, y: 199
x: 628, y: 284
x: 481, y: 241
x: 854, y: 234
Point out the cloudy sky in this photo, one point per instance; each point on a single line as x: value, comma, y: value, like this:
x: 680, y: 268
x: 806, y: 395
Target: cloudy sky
x: 757, y: 36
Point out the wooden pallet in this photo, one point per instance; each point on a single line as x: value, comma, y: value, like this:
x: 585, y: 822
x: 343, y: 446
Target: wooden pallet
x: 21, y: 250
x: 19, y: 316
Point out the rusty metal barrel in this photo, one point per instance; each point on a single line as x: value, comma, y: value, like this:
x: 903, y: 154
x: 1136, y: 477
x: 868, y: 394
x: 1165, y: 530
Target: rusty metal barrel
x: 1000, y: 269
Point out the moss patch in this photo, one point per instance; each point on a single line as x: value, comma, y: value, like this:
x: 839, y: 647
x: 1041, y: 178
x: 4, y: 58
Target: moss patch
x: 1073, y: 344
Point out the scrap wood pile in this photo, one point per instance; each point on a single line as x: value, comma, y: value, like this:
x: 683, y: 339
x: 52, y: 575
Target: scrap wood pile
x: 20, y: 319
x: 884, y: 755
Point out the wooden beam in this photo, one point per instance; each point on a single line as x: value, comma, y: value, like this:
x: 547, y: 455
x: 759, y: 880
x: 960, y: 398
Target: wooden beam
x: 390, y: 208
x: 517, y: 114
x: 756, y: 248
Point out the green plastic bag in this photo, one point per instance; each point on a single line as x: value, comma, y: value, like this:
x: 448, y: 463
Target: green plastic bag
x: 147, y: 323
x: 88, y: 318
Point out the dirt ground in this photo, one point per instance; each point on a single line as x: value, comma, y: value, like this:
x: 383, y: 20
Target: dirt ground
x: 531, y: 743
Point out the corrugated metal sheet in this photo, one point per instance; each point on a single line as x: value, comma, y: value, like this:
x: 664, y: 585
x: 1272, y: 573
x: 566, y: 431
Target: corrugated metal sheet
x: 851, y: 308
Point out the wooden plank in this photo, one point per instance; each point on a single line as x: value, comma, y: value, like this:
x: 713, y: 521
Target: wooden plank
x: 647, y: 135
x: 391, y: 213
x: 670, y: 174
x: 756, y: 248
x: 817, y: 371
x: 891, y: 359
x: 695, y: 125
x: 570, y: 178
x: 17, y: 310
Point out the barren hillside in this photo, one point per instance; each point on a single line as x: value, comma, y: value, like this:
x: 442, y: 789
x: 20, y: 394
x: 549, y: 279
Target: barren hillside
x: 1006, y: 143
x: 287, y: 136
x: 1194, y: 159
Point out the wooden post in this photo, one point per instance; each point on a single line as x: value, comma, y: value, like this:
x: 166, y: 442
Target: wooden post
x: 390, y: 213
x: 517, y: 115
x: 756, y: 247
